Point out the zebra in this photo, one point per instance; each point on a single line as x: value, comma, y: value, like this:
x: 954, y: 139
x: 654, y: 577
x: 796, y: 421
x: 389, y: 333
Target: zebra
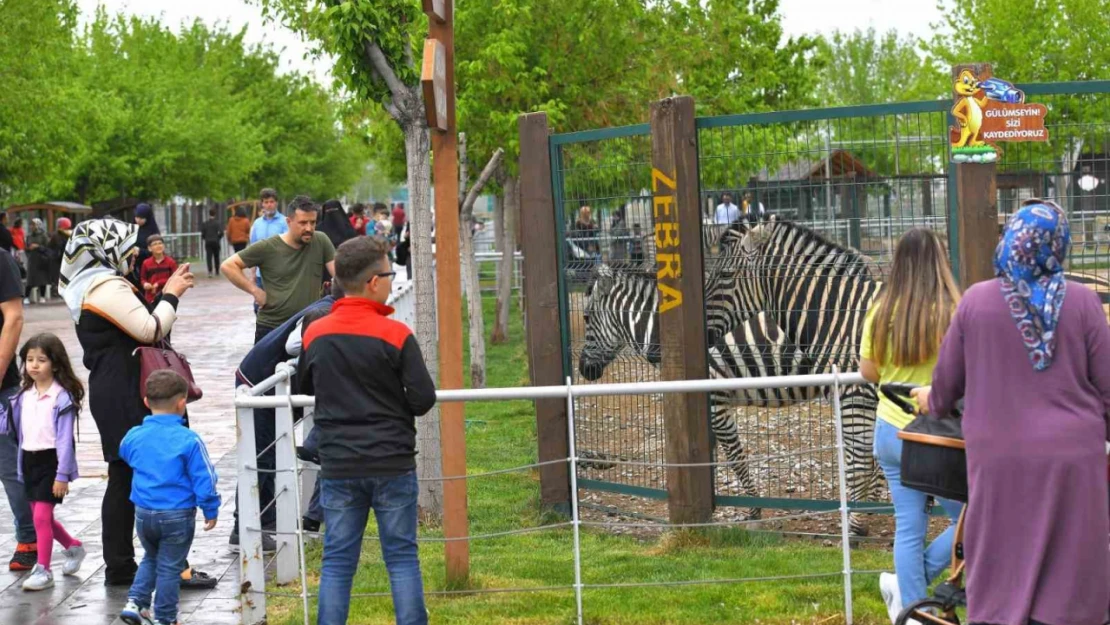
x: 621, y: 301
x: 818, y: 292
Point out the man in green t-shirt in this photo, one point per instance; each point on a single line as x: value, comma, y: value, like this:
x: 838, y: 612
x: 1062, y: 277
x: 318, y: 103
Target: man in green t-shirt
x: 292, y: 263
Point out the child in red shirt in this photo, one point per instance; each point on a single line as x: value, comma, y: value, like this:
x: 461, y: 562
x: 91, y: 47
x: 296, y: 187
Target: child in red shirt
x: 157, y: 269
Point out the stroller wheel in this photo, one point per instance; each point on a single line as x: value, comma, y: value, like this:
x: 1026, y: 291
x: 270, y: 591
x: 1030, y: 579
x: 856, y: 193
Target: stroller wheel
x: 928, y: 612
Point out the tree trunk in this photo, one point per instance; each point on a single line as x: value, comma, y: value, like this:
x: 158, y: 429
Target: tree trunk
x: 508, y: 257
x: 498, y: 226
x: 418, y: 159
x: 470, y: 277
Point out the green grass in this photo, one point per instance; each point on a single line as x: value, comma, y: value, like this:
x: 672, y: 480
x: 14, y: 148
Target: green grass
x: 502, y: 435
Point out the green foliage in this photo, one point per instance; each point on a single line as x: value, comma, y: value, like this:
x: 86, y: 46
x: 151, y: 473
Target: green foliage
x: 1036, y: 41
x: 130, y: 107
x: 864, y: 67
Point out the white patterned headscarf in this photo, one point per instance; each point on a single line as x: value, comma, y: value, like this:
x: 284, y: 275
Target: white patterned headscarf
x: 97, y: 247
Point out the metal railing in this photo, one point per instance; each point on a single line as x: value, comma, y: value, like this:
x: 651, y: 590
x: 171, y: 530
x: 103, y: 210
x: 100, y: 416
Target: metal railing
x: 293, y: 482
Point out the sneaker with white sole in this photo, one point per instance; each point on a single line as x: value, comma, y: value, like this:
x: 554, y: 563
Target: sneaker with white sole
x: 132, y: 614
x: 75, y: 555
x: 40, y: 579
x: 888, y: 587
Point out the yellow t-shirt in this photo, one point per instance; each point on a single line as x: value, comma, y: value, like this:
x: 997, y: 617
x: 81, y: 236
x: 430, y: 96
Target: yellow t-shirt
x: 920, y: 375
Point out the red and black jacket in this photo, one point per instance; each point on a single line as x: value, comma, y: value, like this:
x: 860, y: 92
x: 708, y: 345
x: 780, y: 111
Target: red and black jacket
x: 371, y: 383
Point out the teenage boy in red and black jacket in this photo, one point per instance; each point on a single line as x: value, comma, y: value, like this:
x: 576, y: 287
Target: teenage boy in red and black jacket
x: 370, y: 382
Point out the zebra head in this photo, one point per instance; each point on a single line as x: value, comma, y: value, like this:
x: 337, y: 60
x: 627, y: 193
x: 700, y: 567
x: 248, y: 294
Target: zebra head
x: 621, y: 301
x: 731, y: 298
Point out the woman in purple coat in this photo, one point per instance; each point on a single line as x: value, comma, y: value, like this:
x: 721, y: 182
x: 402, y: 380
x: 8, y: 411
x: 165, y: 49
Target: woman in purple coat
x: 1030, y: 354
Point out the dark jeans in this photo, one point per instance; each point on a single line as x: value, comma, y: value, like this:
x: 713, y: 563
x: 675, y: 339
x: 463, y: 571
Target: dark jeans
x: 117, y: 515
x: 347, y: 505
x: 212, y: 255
x: 17, y: 495
x: 312, y: 446
x: 238, y: 247
x: 260, y: 332
x: 166, y: 536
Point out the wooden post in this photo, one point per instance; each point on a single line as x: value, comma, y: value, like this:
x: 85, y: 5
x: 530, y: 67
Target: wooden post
x: 976, y: 207
x: 449, y: 303
x: 679, y: 271
x: 977, y: 220
x: 541, y: 302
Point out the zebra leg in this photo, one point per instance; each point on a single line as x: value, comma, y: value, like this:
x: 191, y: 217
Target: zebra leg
x: 727, y: 433
x: 857, y: 416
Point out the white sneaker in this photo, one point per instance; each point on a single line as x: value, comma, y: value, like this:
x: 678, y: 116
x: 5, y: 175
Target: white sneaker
x: 74, y: 557
x: 888, y: 587
x: 132, y: 614
x: 40, y: 579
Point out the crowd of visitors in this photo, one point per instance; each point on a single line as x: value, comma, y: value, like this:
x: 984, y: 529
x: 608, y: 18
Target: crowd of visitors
x: 1028, y: 352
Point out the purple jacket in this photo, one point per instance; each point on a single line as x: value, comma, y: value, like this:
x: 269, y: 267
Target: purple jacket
x: 64, y: 416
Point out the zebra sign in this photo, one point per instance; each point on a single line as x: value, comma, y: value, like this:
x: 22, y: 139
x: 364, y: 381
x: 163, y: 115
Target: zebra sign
x: 667, y: 255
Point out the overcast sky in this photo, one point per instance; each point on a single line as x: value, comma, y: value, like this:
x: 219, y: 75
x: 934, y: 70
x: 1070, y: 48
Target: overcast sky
x: 799, y: 17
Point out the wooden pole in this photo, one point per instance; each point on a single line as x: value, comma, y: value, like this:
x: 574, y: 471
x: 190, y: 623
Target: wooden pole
x: 976, y: 220
x: 976, y: 206
x: 679, y: 271
x: 541, y: 302
x: 449, y: 306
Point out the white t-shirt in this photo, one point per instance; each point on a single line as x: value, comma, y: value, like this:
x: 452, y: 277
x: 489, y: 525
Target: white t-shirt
x: 727, y: 213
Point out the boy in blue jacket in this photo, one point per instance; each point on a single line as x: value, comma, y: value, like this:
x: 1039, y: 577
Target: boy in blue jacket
x: 173, y: 477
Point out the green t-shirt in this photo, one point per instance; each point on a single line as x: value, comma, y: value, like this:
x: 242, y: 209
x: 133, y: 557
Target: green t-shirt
x: 920, y: 375
x: 291, y: 278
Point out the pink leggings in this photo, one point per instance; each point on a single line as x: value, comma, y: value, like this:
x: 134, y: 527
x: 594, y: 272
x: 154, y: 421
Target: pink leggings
x: 47, y: 530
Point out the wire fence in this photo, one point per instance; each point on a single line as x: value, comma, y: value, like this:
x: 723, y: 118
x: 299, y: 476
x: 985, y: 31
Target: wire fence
x: 296, y: 479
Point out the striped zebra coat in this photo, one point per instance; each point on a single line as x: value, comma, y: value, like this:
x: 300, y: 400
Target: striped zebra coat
x: 754, y: 341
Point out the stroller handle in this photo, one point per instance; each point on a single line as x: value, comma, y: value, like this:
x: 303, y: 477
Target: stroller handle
x: 897, y: 394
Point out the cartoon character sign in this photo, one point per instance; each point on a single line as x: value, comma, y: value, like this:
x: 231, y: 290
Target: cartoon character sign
x: 988, y: 110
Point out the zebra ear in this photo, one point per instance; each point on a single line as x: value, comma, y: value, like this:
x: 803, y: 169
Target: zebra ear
x: 757, y: 236
x: 603, y: 277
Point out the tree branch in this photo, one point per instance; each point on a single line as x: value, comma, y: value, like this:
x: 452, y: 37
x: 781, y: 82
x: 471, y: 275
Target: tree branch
x: 487, y: 173
x: 464, y: 170
x: 385, y: 71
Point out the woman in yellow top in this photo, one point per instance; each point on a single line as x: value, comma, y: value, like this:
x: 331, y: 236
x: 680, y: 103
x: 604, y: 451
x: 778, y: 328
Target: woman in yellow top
x: 901, y: 338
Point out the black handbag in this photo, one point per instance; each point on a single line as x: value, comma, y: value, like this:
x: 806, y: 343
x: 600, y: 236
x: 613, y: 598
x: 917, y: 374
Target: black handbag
x: 934, y: 457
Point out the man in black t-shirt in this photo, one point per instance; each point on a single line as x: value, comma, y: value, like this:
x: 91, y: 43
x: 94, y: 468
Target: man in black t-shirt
x: 11, y: 318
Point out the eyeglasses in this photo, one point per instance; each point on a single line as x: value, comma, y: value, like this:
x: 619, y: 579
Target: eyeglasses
x: 384, y: 274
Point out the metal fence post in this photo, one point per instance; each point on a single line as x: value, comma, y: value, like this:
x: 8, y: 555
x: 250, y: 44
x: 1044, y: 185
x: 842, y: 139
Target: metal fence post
x: 842, y: 481
x: 285, y: 485
x: 575, y: 522
x: 252, y: 569
x: 308, y: 474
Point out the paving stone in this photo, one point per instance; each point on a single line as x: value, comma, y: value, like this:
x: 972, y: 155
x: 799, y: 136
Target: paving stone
x: 215, y: 329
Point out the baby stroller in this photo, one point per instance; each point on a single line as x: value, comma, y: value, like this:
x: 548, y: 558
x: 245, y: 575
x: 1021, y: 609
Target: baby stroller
x: 934, y: 461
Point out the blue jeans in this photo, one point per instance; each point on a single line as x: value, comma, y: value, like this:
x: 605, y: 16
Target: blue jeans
x: 915, y: 564
x: 347, y: 505
x: 166, y: 536
x: 9, y: 475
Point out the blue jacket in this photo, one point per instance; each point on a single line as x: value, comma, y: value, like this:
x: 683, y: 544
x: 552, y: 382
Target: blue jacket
x: 65, y: 415
x: 264, y: 357
x: 171, y: 465
x: 263, y: 228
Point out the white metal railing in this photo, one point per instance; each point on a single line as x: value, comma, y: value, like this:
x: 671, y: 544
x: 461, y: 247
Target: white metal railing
x: 290, y: 491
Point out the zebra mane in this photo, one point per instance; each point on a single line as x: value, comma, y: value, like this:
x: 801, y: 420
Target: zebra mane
x: 731, y: 239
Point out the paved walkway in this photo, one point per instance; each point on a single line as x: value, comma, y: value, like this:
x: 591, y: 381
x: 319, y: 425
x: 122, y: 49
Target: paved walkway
x: 215, y: 329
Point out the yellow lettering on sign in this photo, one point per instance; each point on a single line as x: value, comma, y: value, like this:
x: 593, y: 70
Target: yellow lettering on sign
x: 657, y: 177
x: 666, y: 235
x: 664, y: 202
x: 670, y: 266
x: 671, y: 297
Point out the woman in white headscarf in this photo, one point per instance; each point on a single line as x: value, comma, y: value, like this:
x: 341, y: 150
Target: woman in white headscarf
x: 112, y: 321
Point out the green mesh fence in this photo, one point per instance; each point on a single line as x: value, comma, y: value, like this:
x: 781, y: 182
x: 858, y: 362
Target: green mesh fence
x: 1072, y: 168
x: 602, y: 188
